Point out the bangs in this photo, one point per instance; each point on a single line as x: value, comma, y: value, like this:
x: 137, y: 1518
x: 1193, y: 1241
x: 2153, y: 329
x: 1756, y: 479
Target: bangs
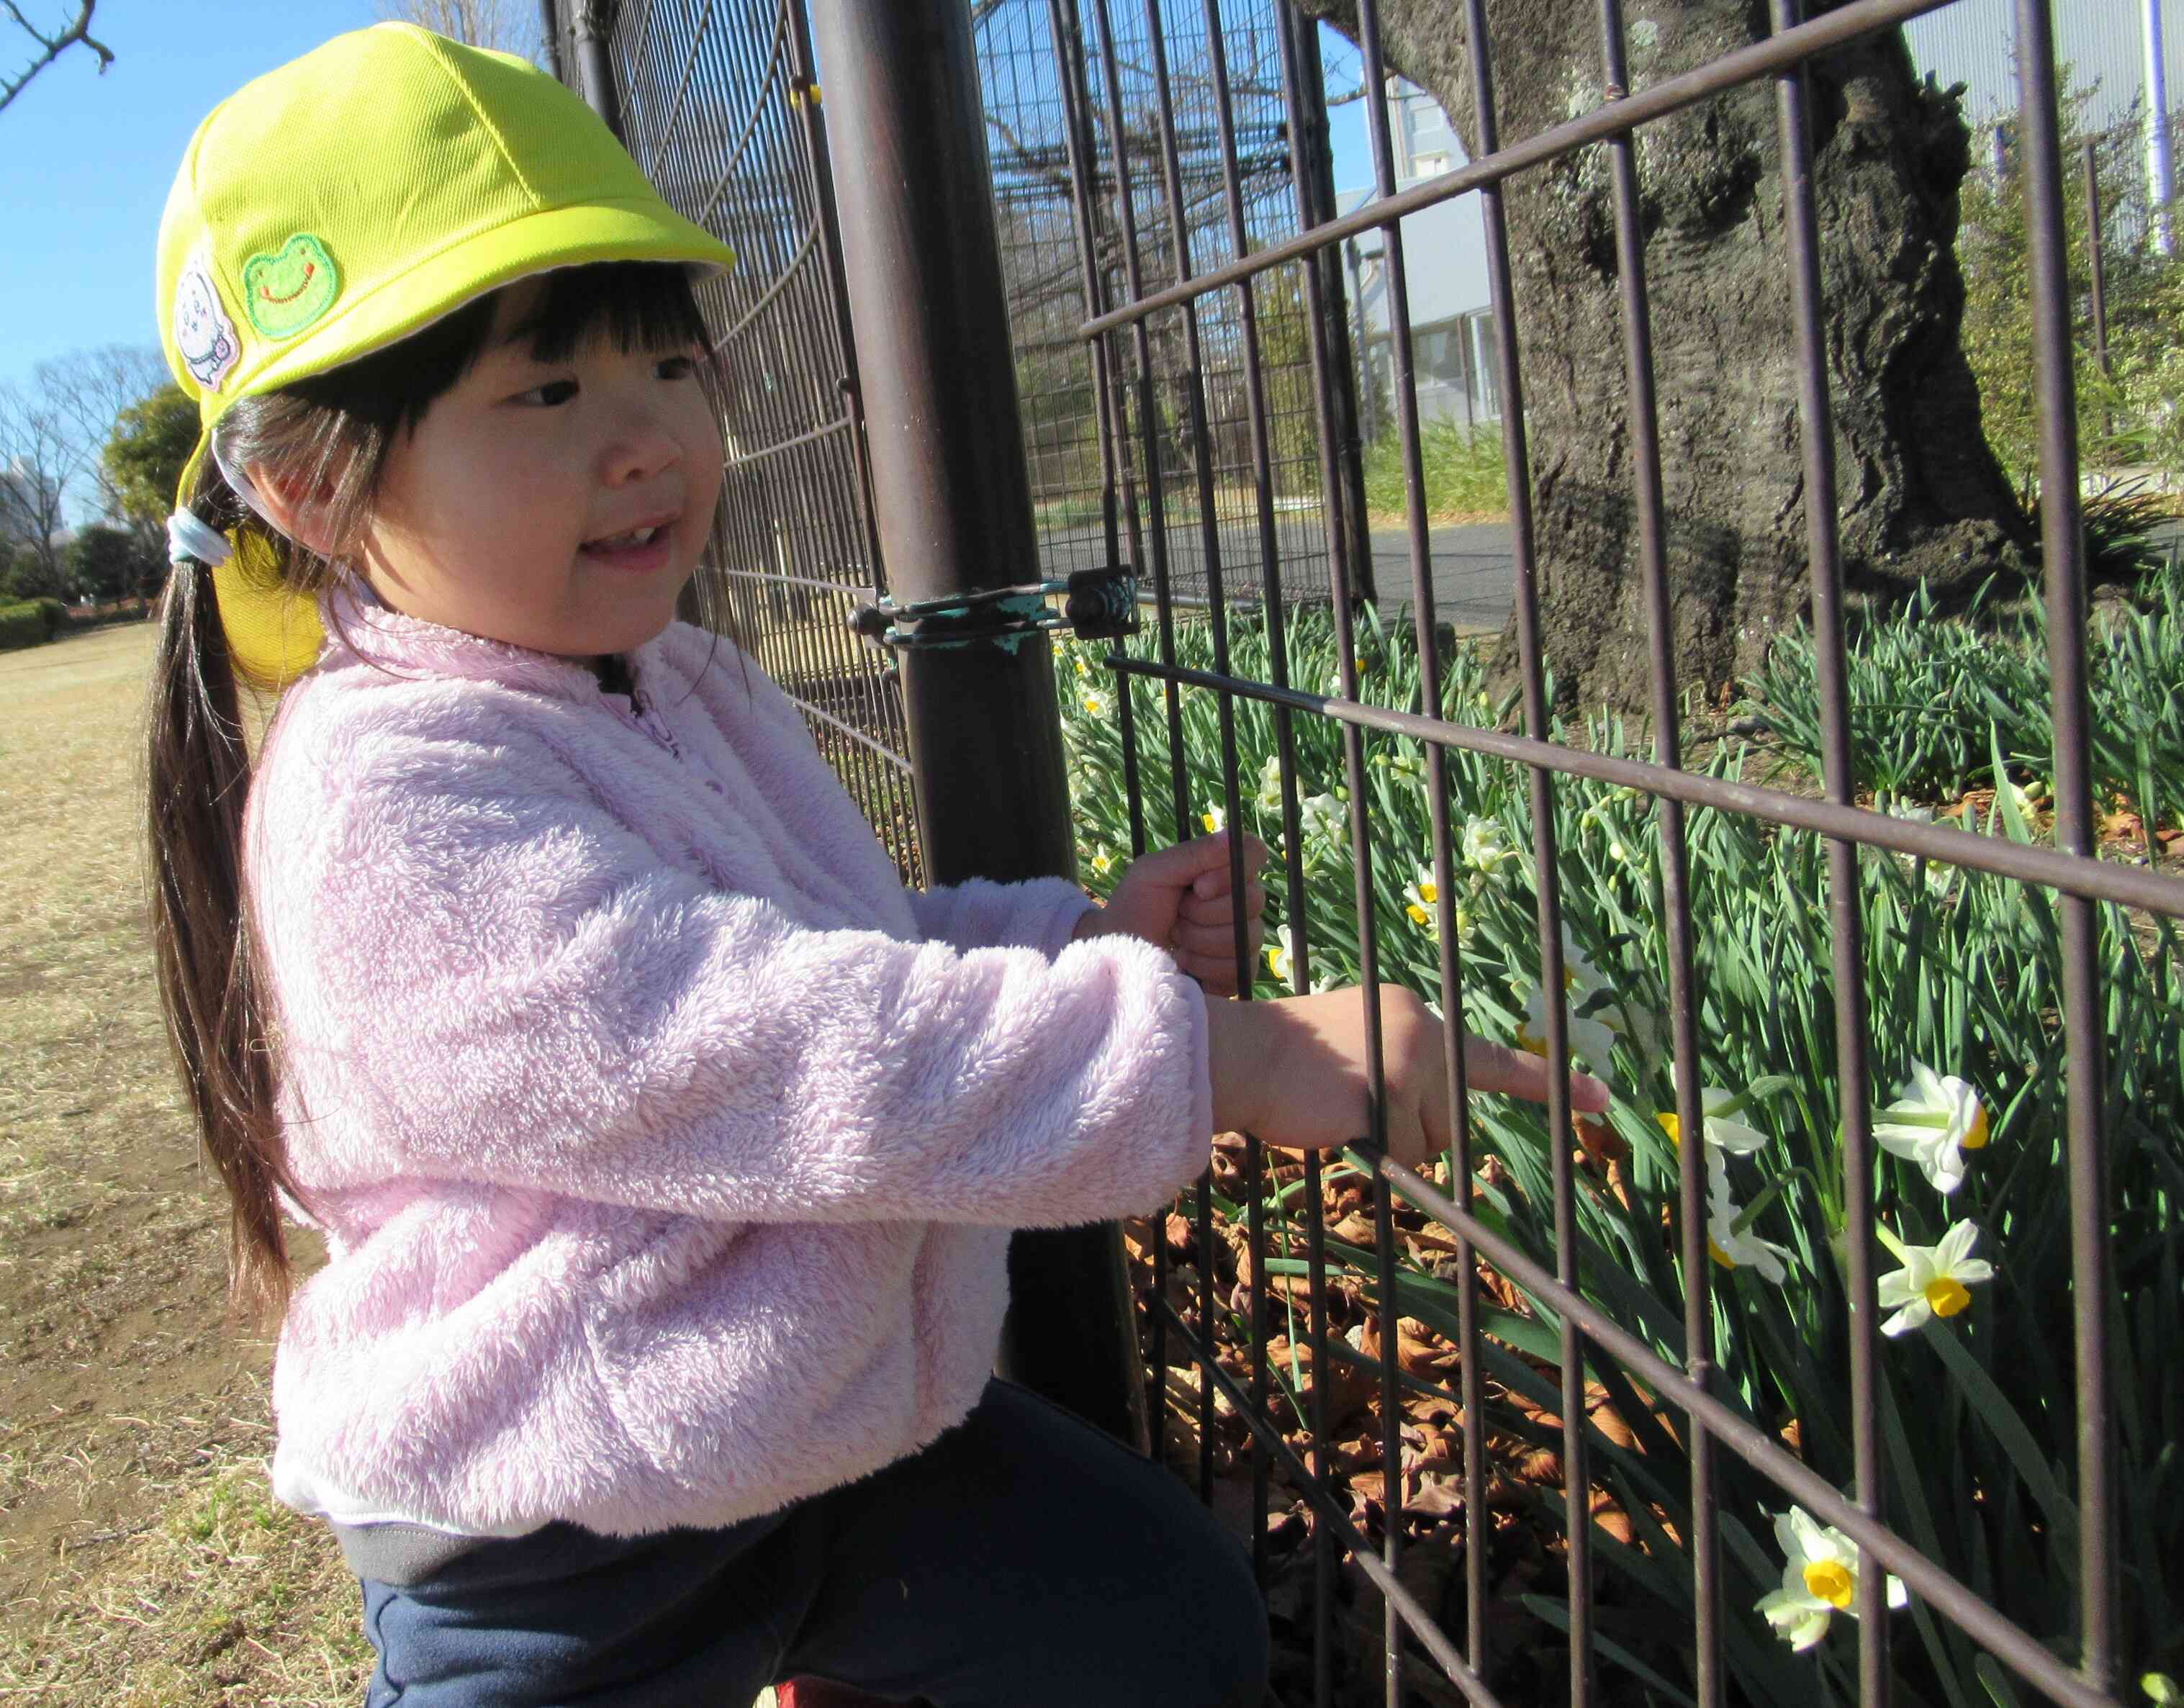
x: 632, y: 305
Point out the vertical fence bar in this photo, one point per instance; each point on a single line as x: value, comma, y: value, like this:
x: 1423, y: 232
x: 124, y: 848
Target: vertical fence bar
x: 1848, y: 948
x: 953, y: 506
x: 2096, y: 262
x: 2062, y: 531
x: 1642, y: 412
x: 1294, y: 29
x: 1546, y: 871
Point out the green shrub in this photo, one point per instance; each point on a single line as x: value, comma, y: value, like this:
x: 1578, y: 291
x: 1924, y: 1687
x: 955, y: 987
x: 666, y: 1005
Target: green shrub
x: 1931, y: 698
x: 23, y: 625
x: 55, y: 614
x: 1963, y: 973
x: 1461, y: 472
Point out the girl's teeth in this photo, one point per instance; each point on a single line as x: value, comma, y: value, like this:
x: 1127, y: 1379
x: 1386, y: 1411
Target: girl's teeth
x: 635, y: 536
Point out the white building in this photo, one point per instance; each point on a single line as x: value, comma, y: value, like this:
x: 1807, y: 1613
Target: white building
x: 1444, y: 273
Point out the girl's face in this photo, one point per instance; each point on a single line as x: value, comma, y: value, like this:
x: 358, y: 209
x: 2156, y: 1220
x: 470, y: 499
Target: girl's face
x: 558, y: 506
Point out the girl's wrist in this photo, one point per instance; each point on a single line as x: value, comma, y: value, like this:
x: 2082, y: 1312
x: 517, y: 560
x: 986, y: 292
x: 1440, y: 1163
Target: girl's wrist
x: 1235, y: 1061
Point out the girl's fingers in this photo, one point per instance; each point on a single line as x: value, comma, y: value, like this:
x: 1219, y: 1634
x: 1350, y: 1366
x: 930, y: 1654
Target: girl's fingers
x: 1220, y: 907
x: 1518, y: 1073
x: 1215, y: 942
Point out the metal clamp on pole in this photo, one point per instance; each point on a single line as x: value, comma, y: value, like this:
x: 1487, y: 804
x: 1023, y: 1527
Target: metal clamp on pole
x: 1097, y: 605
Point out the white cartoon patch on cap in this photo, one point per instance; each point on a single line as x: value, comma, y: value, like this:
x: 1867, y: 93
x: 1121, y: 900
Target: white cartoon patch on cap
x: 203, y: 333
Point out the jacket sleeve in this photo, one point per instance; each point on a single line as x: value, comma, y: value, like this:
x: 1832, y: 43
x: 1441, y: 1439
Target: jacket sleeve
x: 508, y: 986
x: 1039, y: 913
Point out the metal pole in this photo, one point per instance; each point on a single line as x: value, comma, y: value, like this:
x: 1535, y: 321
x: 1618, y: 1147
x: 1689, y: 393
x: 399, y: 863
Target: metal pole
x: 549, y: 32
x: 2160, y: 164
x: 594, y: 30
x: 2096, y: 262
x: 1364, y: 342
x: 953, y: 505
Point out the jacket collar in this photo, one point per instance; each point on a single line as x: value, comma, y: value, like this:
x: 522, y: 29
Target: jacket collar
x: 360, y: 629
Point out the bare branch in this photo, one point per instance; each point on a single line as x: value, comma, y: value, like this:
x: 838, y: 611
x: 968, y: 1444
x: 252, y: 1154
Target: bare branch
x: 54, y: 46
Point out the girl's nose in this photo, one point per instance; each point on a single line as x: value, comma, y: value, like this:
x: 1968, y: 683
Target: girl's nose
x: 643, y: 446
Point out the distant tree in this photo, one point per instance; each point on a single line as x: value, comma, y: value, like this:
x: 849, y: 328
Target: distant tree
x: 107, y: 563
x: 511, y: 26
x: 51, y: 48
x: 51, y: 434
x: 142, y: 462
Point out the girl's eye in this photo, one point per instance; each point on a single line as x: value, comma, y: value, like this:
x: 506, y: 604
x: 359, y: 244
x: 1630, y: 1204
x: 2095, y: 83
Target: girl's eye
x: 677, y: 368
x: 548, y: 396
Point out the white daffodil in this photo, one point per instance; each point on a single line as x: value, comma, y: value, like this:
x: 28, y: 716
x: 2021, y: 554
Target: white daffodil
x: 1422, y: 902
x: 1819, y: 1580
x: 1083, y: 669
x: 1719, y: 1109
x: 1732, y: 1246
x: 1103, y: 859
x: 1281, y: 958
x: 1939, y: 875
x: 1485, y: 845
x: 1270, y: 785
x: 1590, y: 1042
x: 1935, y: 1280
x: 1322, y: 817
x: 1215, y: 819
x: 1591, y: 1039
x: 1935, y: 1119
x: 1095, y: 703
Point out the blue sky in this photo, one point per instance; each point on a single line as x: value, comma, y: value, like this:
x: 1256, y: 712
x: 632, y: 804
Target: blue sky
x: 86, y: 160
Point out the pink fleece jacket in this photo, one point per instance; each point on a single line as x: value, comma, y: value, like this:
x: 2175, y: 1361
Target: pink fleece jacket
x: 666, y: 1147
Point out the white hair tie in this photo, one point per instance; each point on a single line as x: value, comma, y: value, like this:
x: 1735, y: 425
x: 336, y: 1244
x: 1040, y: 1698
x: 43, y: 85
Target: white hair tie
x: 190, y: 535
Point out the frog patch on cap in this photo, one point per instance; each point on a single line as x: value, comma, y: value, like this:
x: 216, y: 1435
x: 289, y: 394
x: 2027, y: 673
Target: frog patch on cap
x: 284, y: 293
x: 203, y: 333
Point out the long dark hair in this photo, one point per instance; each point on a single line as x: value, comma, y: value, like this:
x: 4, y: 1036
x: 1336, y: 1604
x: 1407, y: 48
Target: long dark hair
x: 331, y: 434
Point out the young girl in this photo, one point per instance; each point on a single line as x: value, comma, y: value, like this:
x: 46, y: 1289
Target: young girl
x: 665, y: 1148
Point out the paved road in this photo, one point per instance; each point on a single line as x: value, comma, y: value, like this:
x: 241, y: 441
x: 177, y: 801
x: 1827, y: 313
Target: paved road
x: 1472, y: 577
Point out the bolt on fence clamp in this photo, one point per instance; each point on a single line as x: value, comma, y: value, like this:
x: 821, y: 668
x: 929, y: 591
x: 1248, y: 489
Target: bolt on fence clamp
x: 1097, y: 605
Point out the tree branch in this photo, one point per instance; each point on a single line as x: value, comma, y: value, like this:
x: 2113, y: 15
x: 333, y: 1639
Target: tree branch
x: 55, y: 46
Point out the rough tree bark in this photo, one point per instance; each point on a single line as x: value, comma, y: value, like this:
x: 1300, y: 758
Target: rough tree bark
x: 1921, y: 496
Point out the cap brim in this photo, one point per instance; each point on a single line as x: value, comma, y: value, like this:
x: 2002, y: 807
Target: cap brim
x: 575, y: 236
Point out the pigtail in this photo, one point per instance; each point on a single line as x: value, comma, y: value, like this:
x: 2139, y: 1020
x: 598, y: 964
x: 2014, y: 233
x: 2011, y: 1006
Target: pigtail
x: 210, y: 982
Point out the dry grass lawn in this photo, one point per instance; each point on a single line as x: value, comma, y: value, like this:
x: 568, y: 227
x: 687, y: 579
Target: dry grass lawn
x: 141, y: 1563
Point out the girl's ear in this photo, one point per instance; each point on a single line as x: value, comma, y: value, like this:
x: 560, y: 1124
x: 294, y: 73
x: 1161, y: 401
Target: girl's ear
x: 298, y: 506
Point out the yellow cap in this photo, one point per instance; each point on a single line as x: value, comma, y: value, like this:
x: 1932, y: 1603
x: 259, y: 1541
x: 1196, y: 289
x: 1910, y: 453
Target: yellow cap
x: 338, y: 204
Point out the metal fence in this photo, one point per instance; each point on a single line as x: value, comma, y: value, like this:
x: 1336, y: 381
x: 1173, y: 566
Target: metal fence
x: 1625, y: 1357
x: 1056, y: 131
x: 1178, y: 261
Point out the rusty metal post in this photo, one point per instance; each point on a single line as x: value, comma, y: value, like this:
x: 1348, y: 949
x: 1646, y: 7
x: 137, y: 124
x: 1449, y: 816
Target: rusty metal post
x: 953, y: 505
x: 592, y: 23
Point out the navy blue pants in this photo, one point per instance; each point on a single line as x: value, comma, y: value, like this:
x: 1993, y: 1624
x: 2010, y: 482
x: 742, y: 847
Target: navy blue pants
x: 1023, y: 1560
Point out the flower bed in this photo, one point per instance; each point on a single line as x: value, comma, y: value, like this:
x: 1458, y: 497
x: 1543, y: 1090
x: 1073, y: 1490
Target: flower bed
x: 1963, y: 977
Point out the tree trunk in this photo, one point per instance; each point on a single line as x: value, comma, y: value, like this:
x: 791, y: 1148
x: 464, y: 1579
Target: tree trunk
x: 1921, y: 496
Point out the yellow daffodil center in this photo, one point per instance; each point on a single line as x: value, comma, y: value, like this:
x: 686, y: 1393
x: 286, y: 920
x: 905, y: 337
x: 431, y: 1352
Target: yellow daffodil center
x: 1418, y: 914
x: 1210, y: 821
x: 1947, y: 1295
x: 1830, y: 1580
x: 1673, y: 1127
x: 1429, y: 892
x: 1530, y: 1043
x: 1976, y: 1137
x: 1720, y: 1256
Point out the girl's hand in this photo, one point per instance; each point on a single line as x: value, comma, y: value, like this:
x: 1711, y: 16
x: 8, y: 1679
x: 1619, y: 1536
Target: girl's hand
x: 1180, y: 899
x: 1292, y: 1072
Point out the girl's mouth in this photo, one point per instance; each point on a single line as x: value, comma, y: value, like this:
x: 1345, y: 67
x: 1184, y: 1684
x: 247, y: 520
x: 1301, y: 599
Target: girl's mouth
x: 646, y: 548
